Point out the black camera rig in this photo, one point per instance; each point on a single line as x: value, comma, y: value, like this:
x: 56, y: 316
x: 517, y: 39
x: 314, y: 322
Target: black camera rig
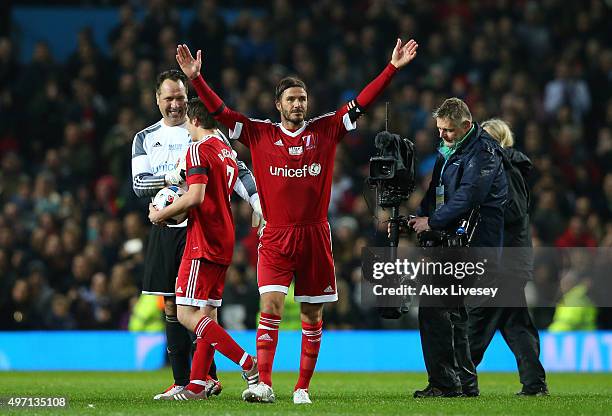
x: 392, y: 174
x: 460, y: 237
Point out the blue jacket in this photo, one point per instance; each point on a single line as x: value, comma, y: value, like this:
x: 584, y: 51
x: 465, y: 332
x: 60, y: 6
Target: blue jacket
x: 473, y: 177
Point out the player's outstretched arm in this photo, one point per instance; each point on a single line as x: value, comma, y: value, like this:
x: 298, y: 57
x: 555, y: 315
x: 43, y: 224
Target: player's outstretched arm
x: 403, y: 53
x: 189, y: 65
x: 236, y: 122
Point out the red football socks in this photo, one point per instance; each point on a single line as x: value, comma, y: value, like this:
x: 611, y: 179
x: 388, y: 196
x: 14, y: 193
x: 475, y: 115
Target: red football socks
x: 267, y: 339
x: 211, y: 333
x: 311, y: 343
x: 195, y: 386
x: 202, y: 358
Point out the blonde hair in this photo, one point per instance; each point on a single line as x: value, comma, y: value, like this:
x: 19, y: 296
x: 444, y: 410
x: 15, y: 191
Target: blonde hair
x: 500, y: 131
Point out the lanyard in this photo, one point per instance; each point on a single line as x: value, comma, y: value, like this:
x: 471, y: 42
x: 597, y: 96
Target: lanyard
x: 442, y: 171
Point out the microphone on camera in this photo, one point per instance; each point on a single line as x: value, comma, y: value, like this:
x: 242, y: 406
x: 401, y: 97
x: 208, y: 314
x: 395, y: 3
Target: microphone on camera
x: 382, y: 139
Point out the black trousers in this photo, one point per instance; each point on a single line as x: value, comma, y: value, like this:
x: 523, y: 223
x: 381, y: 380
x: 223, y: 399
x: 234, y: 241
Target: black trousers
x: 518, y: 331
x: 446, y: 349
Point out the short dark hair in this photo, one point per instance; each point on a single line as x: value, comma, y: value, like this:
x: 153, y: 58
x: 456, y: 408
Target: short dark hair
x: 453, y: 109
x: 174, y: 75
x: 196, y: 109
x: 288, y: 82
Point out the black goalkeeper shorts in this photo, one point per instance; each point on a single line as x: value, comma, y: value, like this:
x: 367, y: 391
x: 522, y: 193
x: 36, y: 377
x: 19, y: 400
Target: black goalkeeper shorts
x: 162, y: 259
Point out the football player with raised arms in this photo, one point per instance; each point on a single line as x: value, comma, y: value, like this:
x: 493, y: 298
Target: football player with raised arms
x: 211, y: 174
x: 155, y: 151
x: 293, y: 164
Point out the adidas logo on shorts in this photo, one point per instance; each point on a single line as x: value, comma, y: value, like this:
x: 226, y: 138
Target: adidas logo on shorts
x: 179, y: 290
x: 265, y: 337
x: 328, y: 289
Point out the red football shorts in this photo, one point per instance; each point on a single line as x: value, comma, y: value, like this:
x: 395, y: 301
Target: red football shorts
x: 303, y: 252
x: 200, y: 283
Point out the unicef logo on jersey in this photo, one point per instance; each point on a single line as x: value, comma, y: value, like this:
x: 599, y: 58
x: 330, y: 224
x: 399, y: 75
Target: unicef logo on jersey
x: 314, y: 169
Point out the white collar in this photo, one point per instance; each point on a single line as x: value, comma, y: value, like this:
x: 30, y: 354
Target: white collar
x: 292, y: 133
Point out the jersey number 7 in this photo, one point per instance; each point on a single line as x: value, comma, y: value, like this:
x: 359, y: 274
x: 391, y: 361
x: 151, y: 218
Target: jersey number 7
x: 230, y: 175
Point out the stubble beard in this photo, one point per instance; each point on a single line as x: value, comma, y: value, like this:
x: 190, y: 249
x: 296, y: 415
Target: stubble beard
x: 294, y: 118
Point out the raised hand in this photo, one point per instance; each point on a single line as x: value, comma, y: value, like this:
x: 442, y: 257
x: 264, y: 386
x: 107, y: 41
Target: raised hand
x: 403, y: 54
x: 190, y: 66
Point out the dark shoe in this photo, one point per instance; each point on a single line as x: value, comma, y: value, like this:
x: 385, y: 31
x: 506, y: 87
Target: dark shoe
x: 537, y: 393
x: 430, y: 391
x: 471, y: 392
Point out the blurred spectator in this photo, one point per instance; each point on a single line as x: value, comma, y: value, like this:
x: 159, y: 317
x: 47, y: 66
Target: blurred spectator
x: 40, y: 292
x: 576, y: 235
x: 567, y: 90
x: 18, y: 313
x: 122, y: 290
x: 240, y: 299
x: 209, y: 28
x: 147, y: 315
x: 59, y: 316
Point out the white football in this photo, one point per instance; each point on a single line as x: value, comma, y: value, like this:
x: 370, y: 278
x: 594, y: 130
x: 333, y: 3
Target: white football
x: 166, y: 196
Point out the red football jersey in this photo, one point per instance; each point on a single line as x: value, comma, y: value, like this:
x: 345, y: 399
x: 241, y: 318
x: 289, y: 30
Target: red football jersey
x: 210, y: 226
x: 293, y: 170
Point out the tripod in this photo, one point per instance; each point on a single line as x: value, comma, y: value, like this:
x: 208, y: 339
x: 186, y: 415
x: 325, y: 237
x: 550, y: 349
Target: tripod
x: 395, y: 222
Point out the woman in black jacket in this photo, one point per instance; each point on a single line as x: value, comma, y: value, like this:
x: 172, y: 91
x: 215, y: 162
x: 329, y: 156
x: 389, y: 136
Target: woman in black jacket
x: 514, y: 323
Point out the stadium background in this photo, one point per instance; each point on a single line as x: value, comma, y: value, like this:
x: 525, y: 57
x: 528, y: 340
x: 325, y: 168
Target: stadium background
x: 77, y: 82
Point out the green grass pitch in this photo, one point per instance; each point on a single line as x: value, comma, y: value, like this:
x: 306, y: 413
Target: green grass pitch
x: 107, y: 393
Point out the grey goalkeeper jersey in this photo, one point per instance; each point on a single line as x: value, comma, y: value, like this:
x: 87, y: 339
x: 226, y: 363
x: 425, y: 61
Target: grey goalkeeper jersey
x: 156, y: 151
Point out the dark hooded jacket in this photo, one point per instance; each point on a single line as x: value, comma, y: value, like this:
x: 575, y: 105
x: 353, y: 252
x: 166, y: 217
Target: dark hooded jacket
x: 516, y: 213
x: 518, y: 255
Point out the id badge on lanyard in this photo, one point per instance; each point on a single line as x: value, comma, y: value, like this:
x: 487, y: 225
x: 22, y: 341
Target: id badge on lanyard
x: 439, y: 196
x: 440, y: 189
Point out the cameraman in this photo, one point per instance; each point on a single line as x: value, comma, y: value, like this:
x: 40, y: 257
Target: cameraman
x: 468, y: 175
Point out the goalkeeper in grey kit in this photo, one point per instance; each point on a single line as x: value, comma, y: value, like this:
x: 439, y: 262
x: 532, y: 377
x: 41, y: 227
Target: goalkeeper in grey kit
x: 156, y: 152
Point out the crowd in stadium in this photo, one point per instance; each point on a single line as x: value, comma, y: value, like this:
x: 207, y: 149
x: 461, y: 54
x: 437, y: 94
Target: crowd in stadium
x: 72, y: 231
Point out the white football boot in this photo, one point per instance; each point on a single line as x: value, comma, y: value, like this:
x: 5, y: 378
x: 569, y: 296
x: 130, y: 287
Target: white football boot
x: 300, y: 396
x: 261, y: 393
x: 170, y: 391
x: 187, y: 394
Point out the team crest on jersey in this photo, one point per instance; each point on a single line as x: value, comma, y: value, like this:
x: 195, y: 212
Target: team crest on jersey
x: 314, y: 169
x: 309, y: 141
x: 296, y: 150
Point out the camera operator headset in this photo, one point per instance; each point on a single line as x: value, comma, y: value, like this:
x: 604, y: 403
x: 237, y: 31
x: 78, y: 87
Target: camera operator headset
x: 468, y: 179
